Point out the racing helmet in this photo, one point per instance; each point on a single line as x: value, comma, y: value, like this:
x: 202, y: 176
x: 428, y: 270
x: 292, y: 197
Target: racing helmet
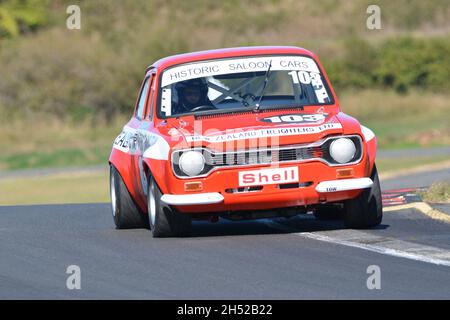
x: 198, y: 85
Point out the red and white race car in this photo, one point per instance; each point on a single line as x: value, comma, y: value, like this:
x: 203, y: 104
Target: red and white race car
x: 241, y: 133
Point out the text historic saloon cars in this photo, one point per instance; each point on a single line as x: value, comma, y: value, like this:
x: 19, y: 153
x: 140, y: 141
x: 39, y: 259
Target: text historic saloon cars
x: 241, y: 133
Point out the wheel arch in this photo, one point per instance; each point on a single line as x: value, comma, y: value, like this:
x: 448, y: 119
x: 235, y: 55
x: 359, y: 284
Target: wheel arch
x: 371, y: 143
x: 157, y: 169
x: 121, y: 163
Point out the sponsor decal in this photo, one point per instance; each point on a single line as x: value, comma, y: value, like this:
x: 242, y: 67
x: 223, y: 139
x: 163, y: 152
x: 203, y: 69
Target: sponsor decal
x: 268, y: 176
x: 311, y: 78
x: 125, y: 139
x: 264, y: 133
x: 142, y: 142
x: 227, y: 66
x: 296, y: 118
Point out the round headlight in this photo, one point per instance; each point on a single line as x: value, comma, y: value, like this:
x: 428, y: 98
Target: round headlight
x: 342, y: 150
x: 192, y: 163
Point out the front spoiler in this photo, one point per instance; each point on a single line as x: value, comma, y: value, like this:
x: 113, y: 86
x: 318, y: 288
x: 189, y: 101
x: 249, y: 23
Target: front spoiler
x: 216, y: 197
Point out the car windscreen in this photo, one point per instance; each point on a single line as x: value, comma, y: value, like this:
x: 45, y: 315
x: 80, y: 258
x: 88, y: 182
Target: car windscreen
x: 242, y: 84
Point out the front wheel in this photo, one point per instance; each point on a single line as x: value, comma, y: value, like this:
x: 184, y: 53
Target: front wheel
x: 125, y: 212
x: 366, y: 210
x: 164, y: 220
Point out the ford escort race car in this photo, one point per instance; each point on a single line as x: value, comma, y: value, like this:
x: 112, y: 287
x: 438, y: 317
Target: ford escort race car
x: 241, y: 133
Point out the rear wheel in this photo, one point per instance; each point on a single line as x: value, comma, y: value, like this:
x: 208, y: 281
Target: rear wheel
x: 164, y: 220
x: 125, y: 212
x: 366, y: 210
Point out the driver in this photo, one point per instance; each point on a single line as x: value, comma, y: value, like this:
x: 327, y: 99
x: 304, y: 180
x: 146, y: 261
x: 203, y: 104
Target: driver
x: 192, y: 94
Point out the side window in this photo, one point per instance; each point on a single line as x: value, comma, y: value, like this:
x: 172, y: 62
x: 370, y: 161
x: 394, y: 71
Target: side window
x: 149, y: 112
x: 142, y: 97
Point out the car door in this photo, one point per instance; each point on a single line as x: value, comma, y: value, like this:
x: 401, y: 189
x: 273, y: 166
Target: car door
x: 142, y: 123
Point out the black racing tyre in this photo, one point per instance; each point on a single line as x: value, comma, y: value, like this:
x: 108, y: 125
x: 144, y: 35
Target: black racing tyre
x: 164, y: 220
x: 125, y: 212
x: 366, y: 210
x: 328, y: 212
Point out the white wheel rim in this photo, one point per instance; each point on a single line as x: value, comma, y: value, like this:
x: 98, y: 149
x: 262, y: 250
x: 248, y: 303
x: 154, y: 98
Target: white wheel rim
x: 113, y: 195
x: 152, y: 204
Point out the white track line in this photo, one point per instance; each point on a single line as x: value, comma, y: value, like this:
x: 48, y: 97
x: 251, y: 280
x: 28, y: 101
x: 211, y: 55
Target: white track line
x: 385, y: 249
x: 387, y: 246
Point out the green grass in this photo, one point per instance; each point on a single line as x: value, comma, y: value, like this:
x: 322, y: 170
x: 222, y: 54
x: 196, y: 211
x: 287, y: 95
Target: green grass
x: 417, y: 119
x: 62, y: 188
x: 438, y: 192
x: 56, y: 143
x: 63, y: 157
x: 403, y: 163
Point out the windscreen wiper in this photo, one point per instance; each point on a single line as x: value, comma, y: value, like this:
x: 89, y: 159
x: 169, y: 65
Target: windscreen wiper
x: 266, y: 80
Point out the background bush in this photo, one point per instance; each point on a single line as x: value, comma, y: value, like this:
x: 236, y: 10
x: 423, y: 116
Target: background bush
x: 400, y: 63
x: 95, y: 72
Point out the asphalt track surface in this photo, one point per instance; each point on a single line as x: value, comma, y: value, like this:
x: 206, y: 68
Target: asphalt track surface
x: 299, y: 258
x: 417, y: 180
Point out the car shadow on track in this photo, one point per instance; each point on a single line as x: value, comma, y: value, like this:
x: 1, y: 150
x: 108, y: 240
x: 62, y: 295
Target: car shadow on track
x: 298, y: 224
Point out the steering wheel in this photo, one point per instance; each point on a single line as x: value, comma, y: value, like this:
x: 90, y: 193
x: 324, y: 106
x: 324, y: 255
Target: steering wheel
x: 204, y: 107
x: 247, y: 96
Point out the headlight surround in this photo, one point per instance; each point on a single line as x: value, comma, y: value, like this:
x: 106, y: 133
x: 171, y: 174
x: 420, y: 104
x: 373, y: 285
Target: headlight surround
x: 192, y: 163
x: 342, y: 150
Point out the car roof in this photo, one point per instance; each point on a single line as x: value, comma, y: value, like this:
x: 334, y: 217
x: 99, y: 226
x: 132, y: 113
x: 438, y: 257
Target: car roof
x: 227, y: 53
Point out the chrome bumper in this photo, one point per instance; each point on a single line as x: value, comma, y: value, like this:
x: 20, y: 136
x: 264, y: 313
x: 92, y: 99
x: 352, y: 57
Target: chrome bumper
x: 344, y: 185
x: 192, y: 199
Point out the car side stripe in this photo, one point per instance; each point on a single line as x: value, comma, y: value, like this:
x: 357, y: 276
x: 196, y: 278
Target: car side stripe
x: 153, y: 146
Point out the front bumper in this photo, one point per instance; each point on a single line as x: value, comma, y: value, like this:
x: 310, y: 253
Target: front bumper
x: 344, y: 185
x: 192, y: 199
x: 216, y: 197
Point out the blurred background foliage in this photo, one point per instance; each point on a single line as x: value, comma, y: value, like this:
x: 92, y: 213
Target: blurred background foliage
x: 48, y: 69
x: 49, y: 73
x: 22, y: 16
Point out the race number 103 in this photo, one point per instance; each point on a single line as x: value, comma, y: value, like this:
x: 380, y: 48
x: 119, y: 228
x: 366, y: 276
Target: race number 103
x: 246, y: 309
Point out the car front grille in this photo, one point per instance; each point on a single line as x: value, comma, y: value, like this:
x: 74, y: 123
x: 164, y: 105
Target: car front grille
x: 265, y: 156
x: 294, y: 153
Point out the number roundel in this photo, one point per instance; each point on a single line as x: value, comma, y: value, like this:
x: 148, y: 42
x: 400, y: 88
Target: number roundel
x: 296, y: 118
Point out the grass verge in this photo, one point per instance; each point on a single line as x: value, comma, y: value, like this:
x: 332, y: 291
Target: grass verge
x: 80, y: 187
x: 414, y: 120
x: 438, y: 192
x: 390, y: 165
x: 49, y: 143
